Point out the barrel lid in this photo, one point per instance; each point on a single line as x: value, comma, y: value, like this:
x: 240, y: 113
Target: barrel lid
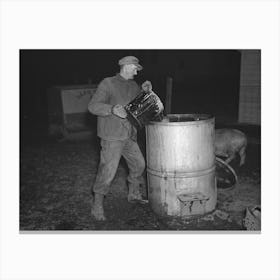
x: 225, y: 174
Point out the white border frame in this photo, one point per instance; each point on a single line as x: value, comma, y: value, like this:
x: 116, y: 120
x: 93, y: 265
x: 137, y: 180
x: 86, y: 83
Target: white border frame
x: 153, y: 24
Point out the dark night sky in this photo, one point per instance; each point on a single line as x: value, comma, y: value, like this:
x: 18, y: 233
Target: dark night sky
x: 204, y: 81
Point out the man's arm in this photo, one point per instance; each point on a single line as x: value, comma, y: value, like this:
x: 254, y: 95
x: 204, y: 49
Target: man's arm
x: 98, y: 104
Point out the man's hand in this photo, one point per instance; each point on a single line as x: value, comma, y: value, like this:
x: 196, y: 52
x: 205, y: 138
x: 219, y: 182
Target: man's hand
x: 147, y: 86
x: 119, y: 111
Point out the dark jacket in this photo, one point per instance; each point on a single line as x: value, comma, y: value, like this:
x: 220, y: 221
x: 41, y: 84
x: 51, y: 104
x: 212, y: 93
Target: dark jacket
x: 112, y: 91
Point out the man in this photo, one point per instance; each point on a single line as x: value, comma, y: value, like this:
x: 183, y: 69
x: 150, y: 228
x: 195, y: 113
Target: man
x: 118, y: 136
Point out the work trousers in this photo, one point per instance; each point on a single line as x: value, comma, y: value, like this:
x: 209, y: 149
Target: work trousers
x: 111, y: 152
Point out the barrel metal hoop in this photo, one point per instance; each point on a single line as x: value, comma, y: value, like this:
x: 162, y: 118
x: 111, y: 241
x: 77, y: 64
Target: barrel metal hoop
x: 172, y: 174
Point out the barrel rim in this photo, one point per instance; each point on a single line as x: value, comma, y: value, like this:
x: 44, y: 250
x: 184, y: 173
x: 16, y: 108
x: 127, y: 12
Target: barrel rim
x: 208, y: 118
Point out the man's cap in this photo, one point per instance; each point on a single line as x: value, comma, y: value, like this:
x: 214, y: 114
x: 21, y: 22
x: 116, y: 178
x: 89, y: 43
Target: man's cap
x: 130, y: 60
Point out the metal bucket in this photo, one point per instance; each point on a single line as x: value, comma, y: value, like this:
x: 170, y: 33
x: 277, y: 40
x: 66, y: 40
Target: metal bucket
x: 181, y: 165
x: 143, y: 109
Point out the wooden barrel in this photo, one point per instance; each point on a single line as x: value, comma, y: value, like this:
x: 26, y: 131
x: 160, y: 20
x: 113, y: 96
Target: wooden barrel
x: 181, y: 165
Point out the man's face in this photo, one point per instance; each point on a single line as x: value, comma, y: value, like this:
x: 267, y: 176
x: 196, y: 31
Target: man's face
x: 131, y: 70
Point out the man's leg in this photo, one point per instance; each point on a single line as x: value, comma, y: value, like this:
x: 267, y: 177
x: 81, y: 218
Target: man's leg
x: 109, y: 160
x: 136, y: 165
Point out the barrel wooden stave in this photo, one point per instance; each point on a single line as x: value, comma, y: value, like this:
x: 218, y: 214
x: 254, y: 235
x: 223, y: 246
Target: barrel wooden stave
x: 181, y: 167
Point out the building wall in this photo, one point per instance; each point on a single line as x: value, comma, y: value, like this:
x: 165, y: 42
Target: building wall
x: 250, y: 87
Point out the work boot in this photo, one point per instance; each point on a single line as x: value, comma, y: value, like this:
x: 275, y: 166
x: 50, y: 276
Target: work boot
x: 97, y: 208
x: 134, y: 194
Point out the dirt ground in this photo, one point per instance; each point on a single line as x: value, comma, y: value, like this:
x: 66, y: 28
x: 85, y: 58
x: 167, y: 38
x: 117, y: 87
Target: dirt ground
x: 56, y: 178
